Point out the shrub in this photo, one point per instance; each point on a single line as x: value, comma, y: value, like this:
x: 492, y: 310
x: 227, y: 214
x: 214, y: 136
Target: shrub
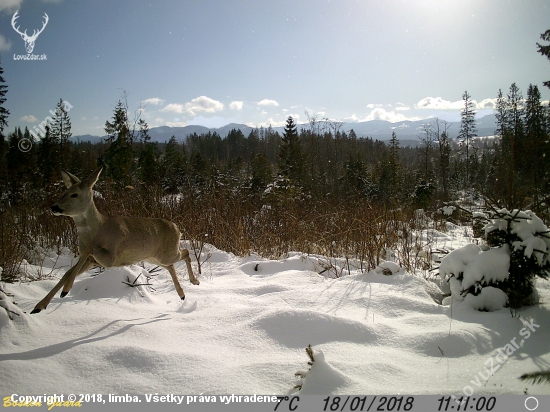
x: 518, y: 245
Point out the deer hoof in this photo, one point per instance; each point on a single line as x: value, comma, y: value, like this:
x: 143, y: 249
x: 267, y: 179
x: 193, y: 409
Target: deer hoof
x: 35, y: 310
x: 183, y: 298
x: 63, y: 294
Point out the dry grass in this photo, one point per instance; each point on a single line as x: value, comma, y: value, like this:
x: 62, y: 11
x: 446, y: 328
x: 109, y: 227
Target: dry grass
x: 349, y: 235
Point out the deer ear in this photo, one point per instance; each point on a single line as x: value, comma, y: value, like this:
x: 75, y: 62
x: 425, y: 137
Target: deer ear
x: 69, y: 179
x: 90, y: 180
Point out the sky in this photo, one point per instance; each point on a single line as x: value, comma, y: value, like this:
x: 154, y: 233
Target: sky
x: 255, y: 62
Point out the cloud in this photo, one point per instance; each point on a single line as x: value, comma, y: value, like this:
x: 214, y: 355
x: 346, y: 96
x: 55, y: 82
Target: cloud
x: 29, y: 119
x: 5, y: 44
x: 391, y: 116
x: 487, y: 104
x: 373, y: 105
x: 176, y: 124
x: 155, y: 101
x: 173, y: 108
x: 236, y: 105
x: 353, y: 119
x: 271, y: 122
x: 10, y: 6
x: 438, y: 103
x: 267, y: 102
x: 200, y: 104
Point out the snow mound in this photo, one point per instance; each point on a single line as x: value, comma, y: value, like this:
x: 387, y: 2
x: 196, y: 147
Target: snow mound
x: 389, y: 268
x: 295, y: 261
x: 489, y: 299
x: 448, y: 210
x: 119, y: 282
x: 8, y: 310
x: 322, y: 378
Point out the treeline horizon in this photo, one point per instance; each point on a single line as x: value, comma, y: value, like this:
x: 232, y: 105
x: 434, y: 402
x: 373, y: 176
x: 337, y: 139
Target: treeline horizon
x: 316, y: 163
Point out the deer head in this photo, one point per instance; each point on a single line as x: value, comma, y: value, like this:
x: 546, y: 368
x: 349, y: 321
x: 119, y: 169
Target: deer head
x: 79, y: 196
x: 29, y: 40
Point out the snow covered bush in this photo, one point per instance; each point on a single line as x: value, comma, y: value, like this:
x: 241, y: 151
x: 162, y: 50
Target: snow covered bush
x: 468, y: 270
x: 528, y: 240
x: 517, y: 249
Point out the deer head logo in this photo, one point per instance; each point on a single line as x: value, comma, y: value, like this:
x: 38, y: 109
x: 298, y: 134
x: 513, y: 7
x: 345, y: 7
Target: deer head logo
x: 29, y: 40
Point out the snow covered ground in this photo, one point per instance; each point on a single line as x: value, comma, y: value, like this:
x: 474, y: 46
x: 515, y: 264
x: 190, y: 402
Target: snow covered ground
x: 245, y: 328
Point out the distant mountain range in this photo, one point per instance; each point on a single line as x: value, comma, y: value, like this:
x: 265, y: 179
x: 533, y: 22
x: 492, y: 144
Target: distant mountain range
x: 408, y: 132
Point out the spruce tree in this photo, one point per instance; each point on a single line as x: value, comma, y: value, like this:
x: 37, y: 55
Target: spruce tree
x: 291, y: 159
x: 536, y: 147
x: 393, y: 161
x: 467, y: 129
x: 504, y: 160
x: 49, y: 164
x: 149, y: 155
x: 4, y: 113
x: 119, y: 155
x: 174, y: 165
x: 21, y: 163
x: 60, y: 130
x: 355, y: 178
x: 545, y: 49
x: 516, y: 113
x: 261, y: 172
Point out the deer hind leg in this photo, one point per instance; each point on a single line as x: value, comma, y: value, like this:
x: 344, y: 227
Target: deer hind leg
x: 184, y: 254
x: 71, y: 273
x: 174, y: 275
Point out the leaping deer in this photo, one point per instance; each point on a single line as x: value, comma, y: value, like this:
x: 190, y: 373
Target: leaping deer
x: 29, y: 40
x: 114, y: 240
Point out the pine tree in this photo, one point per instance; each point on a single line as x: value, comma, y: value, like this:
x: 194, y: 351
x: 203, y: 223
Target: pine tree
x: 291, y: 159
x: 60, y: 130
x: 467, y: 128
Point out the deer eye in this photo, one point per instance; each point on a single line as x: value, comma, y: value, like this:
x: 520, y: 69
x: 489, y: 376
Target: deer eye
x: 74, y: 195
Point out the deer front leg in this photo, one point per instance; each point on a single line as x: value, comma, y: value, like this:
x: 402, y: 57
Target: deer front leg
x: 69, y: 282
x: 74, y: 271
